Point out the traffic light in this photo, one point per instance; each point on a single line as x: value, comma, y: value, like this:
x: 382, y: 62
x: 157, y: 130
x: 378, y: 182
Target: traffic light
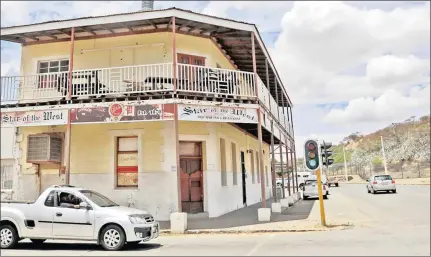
x: 311, y: 155
x: 326, y: 153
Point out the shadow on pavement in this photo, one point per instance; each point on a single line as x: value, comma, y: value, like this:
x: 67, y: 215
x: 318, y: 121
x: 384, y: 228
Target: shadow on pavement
x: 53, y: 246
x: 247, y: 216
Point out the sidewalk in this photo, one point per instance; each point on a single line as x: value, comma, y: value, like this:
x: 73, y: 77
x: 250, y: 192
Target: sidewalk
x: 303, y: 216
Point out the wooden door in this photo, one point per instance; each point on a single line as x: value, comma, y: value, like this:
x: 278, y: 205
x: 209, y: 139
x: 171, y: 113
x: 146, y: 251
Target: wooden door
x: 190, y: 73
x: 191, y: 176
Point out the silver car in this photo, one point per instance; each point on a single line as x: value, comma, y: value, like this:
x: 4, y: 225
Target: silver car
x: 381, y: 183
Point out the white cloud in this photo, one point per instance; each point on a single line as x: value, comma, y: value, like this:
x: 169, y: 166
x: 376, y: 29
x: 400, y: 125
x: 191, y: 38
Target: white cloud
x: 389, y: 107
x: 321, y: 40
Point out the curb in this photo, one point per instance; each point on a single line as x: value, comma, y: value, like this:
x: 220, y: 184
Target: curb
x: 257, y: 231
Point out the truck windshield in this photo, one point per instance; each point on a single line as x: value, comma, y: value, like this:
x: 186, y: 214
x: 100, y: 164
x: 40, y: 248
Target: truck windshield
x: 98, y: 199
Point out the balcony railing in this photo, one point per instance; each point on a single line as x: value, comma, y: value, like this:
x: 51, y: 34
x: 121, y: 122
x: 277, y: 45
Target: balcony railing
x: 130, y: 80
x: 138, y: 80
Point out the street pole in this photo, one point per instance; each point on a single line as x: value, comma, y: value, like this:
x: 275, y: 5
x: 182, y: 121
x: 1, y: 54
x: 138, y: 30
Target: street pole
x: 384, y: 156
x: 345, y: 163
x: 322, y: 207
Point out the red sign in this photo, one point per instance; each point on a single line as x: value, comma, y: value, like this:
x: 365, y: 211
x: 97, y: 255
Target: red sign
x: 122, y: 113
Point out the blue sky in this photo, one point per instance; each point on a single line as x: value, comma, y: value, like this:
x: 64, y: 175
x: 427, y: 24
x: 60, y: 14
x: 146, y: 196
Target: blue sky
x: 347, y: 66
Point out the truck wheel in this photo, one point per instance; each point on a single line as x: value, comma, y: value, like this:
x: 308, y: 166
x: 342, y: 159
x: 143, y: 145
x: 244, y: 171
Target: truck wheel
x: 38, y: 241
x: 325, y: 197
x: 336, y: 184
x: 112, y: 238
x: 9, y: 237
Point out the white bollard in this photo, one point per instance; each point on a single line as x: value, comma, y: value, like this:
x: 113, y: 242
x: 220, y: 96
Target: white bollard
x: 264, y: 214
x: 284, y: 202
x: 178, y: 222
x: 291, y: 200
x: 276, y: 207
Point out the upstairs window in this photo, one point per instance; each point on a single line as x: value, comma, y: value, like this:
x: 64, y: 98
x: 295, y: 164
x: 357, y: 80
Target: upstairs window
x: 48, y: 72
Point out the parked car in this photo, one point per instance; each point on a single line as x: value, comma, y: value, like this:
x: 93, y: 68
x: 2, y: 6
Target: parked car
x: 311, y: 190
x: 70, y: 213
x: 381, y: 183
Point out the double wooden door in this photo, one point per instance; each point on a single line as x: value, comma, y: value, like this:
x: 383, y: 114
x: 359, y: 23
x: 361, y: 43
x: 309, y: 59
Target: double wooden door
x: 191, y: 176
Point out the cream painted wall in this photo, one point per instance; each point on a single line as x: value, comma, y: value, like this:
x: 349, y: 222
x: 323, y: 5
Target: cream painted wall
x: 117, y: 51
x: 92, y: 165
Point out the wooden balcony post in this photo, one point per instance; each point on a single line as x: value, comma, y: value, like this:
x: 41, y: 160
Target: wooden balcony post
x: 274, y: 184
x: 259, y: 126
x: 174, y: 53
x: 280, y: 148
x: 276, y: 99
x: 289, y: 108
x: 68, y: 134
x: 176, y: 123
x: 287, y: 170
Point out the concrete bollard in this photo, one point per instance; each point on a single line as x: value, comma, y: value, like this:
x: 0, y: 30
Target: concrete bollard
x: 264, y: 214
x: 291, y: 200
x: 299, y: 195
x: 178, y: 222
x: 276, y: 207
x: 284, y: 202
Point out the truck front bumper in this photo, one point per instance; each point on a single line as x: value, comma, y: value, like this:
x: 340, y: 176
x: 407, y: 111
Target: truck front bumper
x: 143, y: 232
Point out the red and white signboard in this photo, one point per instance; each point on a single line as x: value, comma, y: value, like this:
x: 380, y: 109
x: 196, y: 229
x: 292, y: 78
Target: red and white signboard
x: 34, y: 118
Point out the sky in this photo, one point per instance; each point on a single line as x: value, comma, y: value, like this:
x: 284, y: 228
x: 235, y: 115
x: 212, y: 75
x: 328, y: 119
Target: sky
x: 347, y: 66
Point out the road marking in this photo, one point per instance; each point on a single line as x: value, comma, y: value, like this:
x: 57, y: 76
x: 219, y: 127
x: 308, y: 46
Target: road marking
x: 256, y: 247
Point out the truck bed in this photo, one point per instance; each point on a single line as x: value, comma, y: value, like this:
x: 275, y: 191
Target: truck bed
x: 17, y: 202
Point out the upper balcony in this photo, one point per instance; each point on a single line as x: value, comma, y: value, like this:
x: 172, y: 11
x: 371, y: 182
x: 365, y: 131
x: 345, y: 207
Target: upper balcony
x: 145, y: 55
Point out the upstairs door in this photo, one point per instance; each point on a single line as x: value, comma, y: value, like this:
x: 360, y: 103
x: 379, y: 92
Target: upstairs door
x: 189, y: 75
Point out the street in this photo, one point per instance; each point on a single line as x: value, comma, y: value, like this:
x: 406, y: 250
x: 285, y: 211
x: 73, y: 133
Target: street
x: 385, y: 224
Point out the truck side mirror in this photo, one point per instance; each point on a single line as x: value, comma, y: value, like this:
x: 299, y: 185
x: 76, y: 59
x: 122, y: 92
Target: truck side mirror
x: 84, y: 205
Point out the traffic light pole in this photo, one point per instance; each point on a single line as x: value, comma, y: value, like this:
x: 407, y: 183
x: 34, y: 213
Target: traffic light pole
x: 320, y: 191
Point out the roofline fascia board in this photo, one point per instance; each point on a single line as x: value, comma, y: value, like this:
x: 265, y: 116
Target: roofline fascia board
x: 120, y: 18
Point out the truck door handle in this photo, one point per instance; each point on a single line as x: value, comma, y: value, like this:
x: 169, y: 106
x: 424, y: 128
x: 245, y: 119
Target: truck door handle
x: 59, y: 214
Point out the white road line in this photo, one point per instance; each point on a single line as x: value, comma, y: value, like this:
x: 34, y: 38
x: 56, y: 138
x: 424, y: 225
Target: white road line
x: 256, y: 247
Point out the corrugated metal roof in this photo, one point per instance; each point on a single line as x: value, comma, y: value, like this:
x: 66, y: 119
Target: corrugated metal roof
x: 115, y: 14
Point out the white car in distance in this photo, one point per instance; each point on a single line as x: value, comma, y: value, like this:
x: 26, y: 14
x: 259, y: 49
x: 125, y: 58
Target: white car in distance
x: 379, y: 183
x: 310, y: 189
x: 70, y: 213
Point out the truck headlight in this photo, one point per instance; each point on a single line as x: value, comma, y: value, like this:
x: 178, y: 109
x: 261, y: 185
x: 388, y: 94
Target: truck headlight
x: 137, y: 219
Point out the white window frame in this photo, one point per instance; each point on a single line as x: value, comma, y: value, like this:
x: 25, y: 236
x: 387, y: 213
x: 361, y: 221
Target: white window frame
x: 7, y: 167
x: 49, y: 65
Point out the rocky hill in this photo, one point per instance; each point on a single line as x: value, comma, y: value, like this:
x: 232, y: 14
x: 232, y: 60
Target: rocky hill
x: 406, y: 143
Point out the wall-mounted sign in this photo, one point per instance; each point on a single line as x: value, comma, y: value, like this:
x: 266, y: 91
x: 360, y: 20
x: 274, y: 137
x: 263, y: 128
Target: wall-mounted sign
x: 117, y: 112
x: 34, y: 118
x: 217, y: 114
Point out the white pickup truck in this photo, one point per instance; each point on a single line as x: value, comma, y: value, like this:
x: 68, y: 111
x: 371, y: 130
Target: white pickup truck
x: 70, y: 213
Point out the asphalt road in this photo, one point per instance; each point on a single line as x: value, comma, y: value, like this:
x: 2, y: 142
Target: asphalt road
x: 385, y: 224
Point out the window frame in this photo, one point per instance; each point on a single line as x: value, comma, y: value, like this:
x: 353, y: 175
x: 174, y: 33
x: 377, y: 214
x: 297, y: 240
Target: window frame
x: 4, y: 171
x: 223, y: 173
x: 253, y: 173
x: 118, y: 152
x: 49, y: 78
x: 234, y: 163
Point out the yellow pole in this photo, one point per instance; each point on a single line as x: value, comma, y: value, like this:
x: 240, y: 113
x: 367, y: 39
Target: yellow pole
x: 319, y: 189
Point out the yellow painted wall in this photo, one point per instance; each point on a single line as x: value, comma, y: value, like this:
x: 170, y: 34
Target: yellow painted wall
x: 243, y: 142
x: 92, y: 149
x: 158, y: 49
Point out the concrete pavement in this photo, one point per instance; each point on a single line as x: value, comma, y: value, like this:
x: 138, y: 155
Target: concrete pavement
x: 385, y: 224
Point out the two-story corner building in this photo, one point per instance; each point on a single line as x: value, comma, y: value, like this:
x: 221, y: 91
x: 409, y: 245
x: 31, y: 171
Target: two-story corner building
x: 166, y: 110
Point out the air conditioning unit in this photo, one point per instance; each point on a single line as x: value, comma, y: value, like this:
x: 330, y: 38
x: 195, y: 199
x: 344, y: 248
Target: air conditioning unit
x: 44, y: 148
